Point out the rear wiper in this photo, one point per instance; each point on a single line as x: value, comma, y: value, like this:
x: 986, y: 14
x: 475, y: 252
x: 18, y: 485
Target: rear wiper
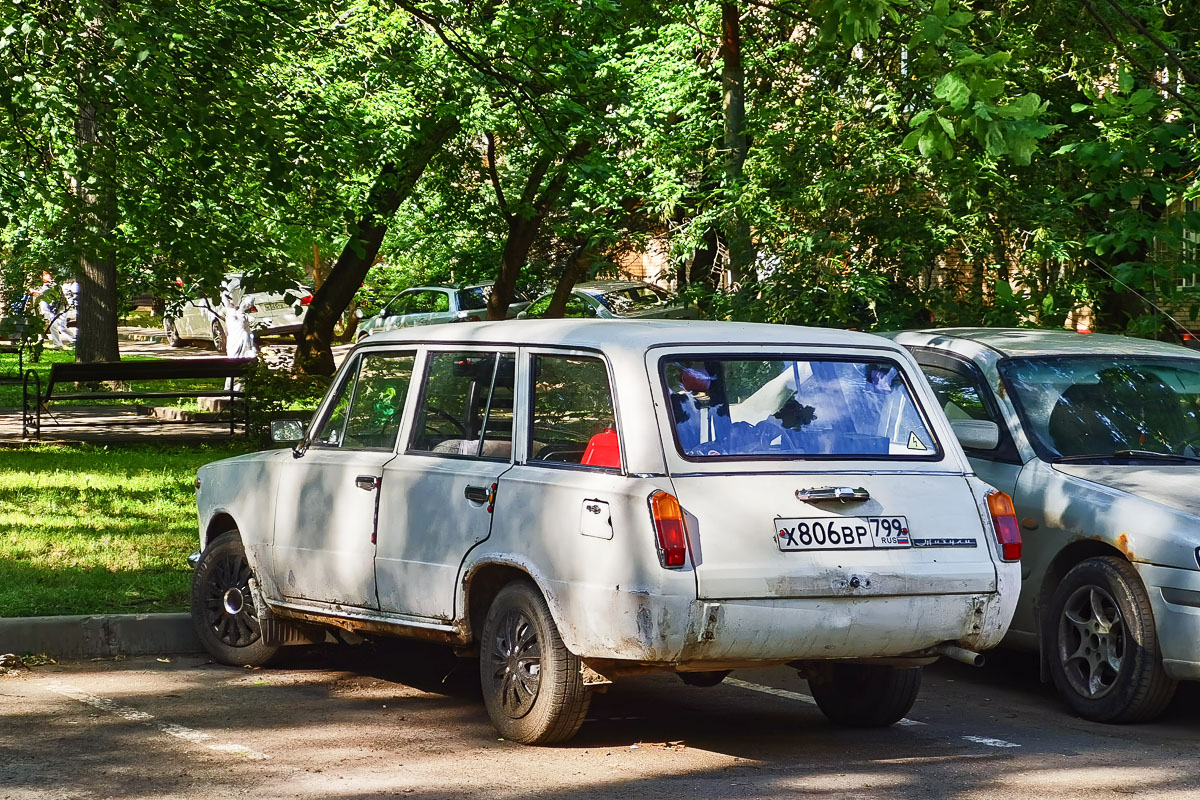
x: 1146, y: 455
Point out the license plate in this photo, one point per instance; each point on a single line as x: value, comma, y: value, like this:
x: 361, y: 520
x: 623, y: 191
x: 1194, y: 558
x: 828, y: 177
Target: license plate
x: 841, y: 533
x: 272, y: 306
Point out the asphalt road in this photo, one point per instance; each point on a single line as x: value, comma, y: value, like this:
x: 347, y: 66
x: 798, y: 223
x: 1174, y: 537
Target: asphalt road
x: 407, y: 721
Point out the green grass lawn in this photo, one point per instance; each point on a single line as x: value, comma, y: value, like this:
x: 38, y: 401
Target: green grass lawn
x: 92, y: 529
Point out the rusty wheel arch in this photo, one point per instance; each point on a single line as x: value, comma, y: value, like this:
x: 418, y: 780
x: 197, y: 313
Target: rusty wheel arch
x: 482, y: 585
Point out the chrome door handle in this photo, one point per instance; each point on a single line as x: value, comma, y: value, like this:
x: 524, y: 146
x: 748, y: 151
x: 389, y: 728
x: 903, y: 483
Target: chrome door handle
x: 826, y: 494
x: 367, y: 482
x: 477, y: 494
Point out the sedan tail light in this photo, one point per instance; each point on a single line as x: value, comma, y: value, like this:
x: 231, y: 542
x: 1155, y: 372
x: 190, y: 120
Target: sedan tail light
x: 1004, y: 523
x: 670, y: 532
x: 306, y: 300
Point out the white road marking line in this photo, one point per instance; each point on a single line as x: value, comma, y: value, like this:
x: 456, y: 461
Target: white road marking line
x: 134, y: 715
x: 803, y: 698
x: 990, y: 742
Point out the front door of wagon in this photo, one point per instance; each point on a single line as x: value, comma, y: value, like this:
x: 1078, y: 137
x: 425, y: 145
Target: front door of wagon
x: 327, y: 507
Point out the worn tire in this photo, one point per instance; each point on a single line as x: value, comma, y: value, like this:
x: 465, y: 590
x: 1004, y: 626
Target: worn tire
x: 218, y: 332
x: 866, y: 695
x: 1103, y: 646
x: 223, y: 612
x: 532, y: 685
x: 173, y: 337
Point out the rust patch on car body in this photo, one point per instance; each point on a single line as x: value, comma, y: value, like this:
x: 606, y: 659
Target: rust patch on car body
x: 1125, y: 546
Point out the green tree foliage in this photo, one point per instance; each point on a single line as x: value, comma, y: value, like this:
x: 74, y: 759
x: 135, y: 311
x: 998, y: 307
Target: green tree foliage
x: 863, y: 163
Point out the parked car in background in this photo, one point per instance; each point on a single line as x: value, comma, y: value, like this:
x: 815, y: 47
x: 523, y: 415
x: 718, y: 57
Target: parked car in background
x: 270, y: 313
x: 1097, y: 440
x: 615, y: 300
x: 583, y: 500
x: 430, y: 305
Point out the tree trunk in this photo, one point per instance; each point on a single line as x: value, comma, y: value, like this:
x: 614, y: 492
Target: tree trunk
x: 96, y: 318
x: 395, y: 183
x: 733, y: 107
x: 577, y: 267
x: 525, y: 222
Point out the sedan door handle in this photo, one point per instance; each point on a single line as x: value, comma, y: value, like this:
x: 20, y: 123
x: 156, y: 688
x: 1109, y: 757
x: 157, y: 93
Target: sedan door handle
x: 367, y: 482
x: 477, y: 494
x: 829, y: 493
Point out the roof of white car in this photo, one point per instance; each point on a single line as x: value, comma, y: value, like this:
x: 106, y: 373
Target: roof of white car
x: 639, y: 334
x: 1037, y: 342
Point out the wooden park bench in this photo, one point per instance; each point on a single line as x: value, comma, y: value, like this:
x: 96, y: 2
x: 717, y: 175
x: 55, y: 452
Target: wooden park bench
x: 16, y: 336
x: 77, y: 382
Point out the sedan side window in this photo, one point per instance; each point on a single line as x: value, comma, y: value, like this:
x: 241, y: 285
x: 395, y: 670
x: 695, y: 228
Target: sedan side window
x: 959, y: 395
x: 573, y: 419
x: 467, y: 405
x: 370, y: 404
x: 428, y: 302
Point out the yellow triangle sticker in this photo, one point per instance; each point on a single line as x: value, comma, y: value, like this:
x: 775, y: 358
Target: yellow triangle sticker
x: 914, y: 443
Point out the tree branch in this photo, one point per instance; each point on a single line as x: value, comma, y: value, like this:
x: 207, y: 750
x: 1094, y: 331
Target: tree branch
x: 495, y: 176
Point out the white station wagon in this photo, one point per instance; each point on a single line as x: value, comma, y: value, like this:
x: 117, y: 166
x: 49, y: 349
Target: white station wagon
x: 579, y: 500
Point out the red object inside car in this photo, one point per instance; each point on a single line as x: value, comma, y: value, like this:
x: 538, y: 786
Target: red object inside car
x: 603, y: 450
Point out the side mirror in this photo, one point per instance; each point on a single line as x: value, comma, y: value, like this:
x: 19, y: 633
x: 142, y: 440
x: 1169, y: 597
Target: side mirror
x: 287, y: 431
x: 358, y: 314
x: 976, y: 434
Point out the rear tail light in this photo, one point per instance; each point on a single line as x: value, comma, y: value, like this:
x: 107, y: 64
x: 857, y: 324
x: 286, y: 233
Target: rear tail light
x: 669, y: 530
x: 1004, y: 522
x: 252, y: 310
x: 306, y: 299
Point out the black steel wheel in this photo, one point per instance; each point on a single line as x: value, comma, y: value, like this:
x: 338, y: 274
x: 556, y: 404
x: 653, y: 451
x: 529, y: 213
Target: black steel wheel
x: 532, y: 685
x: 173, y: 337
x: 1104, y: 656
x: 223, y: 611
x: 866, y: 695
x: 218, y: 331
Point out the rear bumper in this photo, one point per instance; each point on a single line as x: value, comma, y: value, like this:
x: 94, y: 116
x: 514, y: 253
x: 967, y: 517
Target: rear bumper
x: 679, y: 632
x: 1175, y: 598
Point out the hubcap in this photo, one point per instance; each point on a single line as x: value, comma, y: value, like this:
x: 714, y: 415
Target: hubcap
x: 515, y: 658
x: 228, y: 607
x: 1091, y: 641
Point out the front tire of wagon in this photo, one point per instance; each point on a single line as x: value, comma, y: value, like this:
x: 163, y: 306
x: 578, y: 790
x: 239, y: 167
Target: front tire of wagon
x: 223, y: 612
x: 866, y: 695
x: 532, y: 684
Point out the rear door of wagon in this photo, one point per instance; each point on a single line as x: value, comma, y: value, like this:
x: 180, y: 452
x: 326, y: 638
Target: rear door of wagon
x: 810, y: 472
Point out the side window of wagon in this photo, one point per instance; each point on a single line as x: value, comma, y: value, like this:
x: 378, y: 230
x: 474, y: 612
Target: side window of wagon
x: 573, y: 418
x: 466, y: 405
x: 369, y: 404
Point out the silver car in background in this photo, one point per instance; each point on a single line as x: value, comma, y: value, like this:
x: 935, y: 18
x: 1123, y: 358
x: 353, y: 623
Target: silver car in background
x: 615, y: 300
x: 270, y: 313
x: 431, y: 305
x: 1097, y: 440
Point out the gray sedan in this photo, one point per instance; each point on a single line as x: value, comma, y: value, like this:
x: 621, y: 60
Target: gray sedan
x: 430, y: 305
x: 615, y: 300
x: 1097, y: 439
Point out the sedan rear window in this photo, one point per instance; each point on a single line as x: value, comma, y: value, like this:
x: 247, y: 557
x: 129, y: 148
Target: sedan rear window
x: 753, y: 407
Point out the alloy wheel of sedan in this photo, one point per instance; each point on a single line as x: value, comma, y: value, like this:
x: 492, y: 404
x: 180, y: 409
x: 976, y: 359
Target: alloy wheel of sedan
x: 1092, y: 641
x: 516, y: 661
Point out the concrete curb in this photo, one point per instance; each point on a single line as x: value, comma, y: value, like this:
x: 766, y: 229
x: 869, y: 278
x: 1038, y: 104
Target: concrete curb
x: 99, y: 636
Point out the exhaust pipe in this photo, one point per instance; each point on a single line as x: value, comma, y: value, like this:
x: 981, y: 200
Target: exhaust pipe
x: 960, y: 654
